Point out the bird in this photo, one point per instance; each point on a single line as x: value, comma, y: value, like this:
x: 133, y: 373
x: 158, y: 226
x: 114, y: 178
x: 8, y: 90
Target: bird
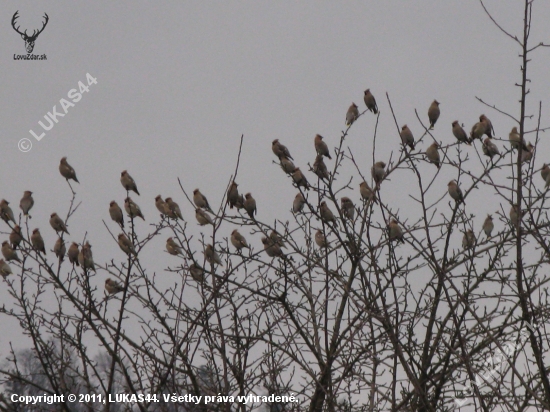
x: 85, y: 257
x: 370, y: 101
x: 545, y: 173
x: 73, y: 254
x: 212, y: 256
x: 455, y: 192
x: 57, y: 224
x: 298, y: 203
x: 460, y: 133
x: 203, y: 217
x: 367, y: 194
x: 5, y: 211
x: 116, y: 213
x: 378, y: 173
x: 348, y: 208
x: 478, y: 130
x: 326, y: 214
x: 527, y: 155
x: 276, y: 238
x: 280, y: 150
x: 8, y: 253
x: 113, y: 287
x: 126, y: 245
x: 233, y: 195
x: 489, y: 148
x: 200, y: 200
x: 59, y: 249
x: 407, y: 137
x: 488, y: 225
x: 469, y: 240
x: 67, y: 170
x: 197, y: 273
x: 300, y: 179
x: 16, y: 237
x: 395, y: 231
x: 27, y: 202
x: 160, y: 204
x: 128, y: 182
x: 5, y: 269
x: 238, y: 240
x: 320, y: 239
x: 352, y: 114
x: 132, y: 208
x: 321, y: 147
x: 250, y: 205
x: 173, y: 248
x: 272, y: 249
x: 37, y: 241
x: 173, y: 207
x: 433, y: 113
x: 287, y: 165
x: 432, y: 153
x: 516, y: 140
x: 515, y: 218
x: 320, y: 168
x: 488, y: 125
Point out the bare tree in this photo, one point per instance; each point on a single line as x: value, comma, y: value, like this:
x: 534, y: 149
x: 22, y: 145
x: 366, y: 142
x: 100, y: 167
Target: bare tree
x: 354, y: 304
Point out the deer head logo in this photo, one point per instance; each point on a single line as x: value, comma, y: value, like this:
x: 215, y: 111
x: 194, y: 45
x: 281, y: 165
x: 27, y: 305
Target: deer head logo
x: 29, y: 40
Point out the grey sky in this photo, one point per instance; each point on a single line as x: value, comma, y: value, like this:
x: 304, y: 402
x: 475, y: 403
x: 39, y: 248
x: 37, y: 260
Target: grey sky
x: 179, y: 82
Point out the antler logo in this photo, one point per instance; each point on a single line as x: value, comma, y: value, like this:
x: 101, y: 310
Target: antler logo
x: 29, y: 40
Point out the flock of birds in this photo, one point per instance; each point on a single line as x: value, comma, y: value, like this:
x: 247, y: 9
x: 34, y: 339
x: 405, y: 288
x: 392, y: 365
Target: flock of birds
x: 273, y: 244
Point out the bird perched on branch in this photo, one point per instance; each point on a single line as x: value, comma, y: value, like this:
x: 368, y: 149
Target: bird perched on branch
x: 407, y: 137
x: 5, y: 269
x: 455, y: 192
x: 280, y: 150
x: 432, y: 153
x: 8, y: 253
x: 173, y: 248
x: 85, y: 257
x: 489, y: 131
x: 59, y: 249
x: 200, y: 200
x: 212, y: 256
x: 128, y: 182
x: 320, y: 239
x: 326, y: 214
x: 489, y: 148
x: 37, y: 241
x: 287, y: 165
x: 298, y: 204
x: 545, y: 173
x: 516, y: 140
x: 433, y: 113
x: 320, y: 168
x: 321, y: 147
x: 116, y: 213
x: 460, y: 133
x: 16, y: 237
x: 469, y: 240
x: 5, y: 211
x: 478, y: 130
x: 57, y: 224
x: 300, y: 179
x: 233, y: 196
x: 126, y: 245
x: 203, y: 217
x: 378, y: 173
x: 174, y: 208
x: 73, y: 254
x: 352, y: 114
x: 370, y: 101
x: 488, y: 225
x: 113, y: 287
x: 67, y: 170
x: 250, y: 205
x: 272, y: 249
x: 197, y: 272
x: 238, y: 240
x: 395, y: 231
x: 348, y: 208
x: 367, y: 194
x: 132, y: 208
x: 27, y: 202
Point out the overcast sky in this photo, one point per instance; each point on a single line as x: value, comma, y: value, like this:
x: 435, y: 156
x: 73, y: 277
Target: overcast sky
x: 179, y: 82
